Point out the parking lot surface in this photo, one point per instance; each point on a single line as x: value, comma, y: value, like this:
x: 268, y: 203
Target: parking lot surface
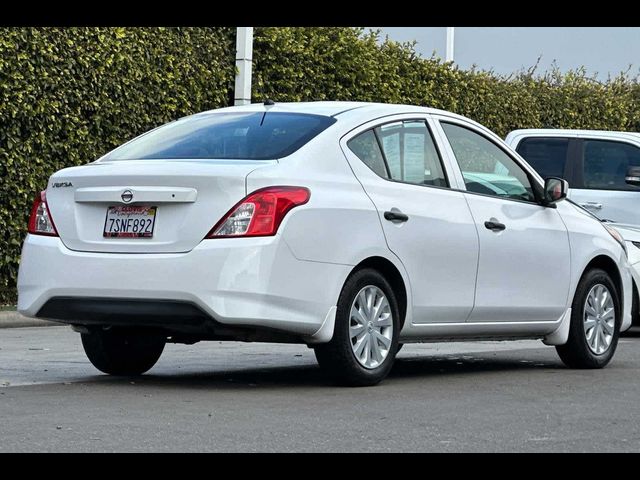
x: 220, y: 397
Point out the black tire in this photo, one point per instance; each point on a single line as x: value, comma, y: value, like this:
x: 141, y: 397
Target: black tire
x: 576, y: 352
x: 123, y: 352
x: 337, y: 356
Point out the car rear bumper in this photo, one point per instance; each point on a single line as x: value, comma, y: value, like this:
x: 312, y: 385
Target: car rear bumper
x: 247, y: 282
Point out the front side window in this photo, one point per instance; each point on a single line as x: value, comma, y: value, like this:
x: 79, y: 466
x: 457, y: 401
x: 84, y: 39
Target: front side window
x: 485, y: 167
x: 606, y: 164
x: 225, y: 136
x: 548, y: 156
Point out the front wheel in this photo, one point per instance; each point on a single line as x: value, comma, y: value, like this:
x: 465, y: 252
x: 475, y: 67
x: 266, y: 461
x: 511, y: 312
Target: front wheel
x: 595, y: 323
x: 365, y: 338
x: 122, y: 352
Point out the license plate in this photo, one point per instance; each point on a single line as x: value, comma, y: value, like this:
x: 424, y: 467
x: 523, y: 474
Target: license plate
x: 130, y: 221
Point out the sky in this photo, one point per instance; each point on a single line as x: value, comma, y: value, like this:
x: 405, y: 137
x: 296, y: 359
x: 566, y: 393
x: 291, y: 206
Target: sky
x: 601, y: 50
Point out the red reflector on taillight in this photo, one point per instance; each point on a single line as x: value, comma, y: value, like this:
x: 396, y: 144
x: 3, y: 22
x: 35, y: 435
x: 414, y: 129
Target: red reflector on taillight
x: 260, y: 213
x: 40, y: 221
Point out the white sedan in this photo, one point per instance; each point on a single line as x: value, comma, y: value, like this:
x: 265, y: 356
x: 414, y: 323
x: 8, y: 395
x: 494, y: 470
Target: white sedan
x: 350, y: 227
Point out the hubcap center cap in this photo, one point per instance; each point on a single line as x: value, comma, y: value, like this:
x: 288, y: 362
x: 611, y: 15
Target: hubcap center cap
x: 370, y: 326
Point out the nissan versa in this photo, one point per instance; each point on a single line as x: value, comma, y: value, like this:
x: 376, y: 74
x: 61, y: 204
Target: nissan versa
x: 350, y: 227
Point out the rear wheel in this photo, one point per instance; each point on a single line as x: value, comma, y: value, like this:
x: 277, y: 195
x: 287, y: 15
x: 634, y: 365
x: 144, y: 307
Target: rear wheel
x: 121, y: 351
x: 595, y: 323
x: 365, y: 338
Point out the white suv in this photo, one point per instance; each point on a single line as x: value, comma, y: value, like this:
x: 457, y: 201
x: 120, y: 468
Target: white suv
x: 349, y: 227
x: 601, y: 167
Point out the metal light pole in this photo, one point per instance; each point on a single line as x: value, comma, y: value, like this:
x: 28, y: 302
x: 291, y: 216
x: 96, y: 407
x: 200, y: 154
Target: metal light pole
x: 450, y: 39
x: 244, y: 57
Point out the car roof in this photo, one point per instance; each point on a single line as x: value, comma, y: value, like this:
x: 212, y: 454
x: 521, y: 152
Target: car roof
x: 316, y: 108
x: 335, y: 108
x: 348, y: 114
x: 573, y: 133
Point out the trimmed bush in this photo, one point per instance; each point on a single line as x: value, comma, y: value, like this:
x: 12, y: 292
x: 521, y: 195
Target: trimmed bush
x: 68, y: 95
x: 293, y: 64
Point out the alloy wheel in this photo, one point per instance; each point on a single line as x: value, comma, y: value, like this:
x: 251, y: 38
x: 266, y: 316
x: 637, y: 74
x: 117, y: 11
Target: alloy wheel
x: 370, y: 327
x: 599, y: 319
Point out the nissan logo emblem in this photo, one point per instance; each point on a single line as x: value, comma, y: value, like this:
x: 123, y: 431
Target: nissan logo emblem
x: 127, y: 196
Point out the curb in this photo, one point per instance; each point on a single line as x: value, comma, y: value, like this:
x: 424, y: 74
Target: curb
x: 12, y: 319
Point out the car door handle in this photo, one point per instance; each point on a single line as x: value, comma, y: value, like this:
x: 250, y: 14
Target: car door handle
x: 592, y: 205
x: 495, y: 226
x: 395, y: 216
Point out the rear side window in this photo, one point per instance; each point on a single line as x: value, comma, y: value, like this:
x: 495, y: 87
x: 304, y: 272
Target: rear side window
x: 402, y: 151
x: 367, y: 149
x: 226, y: 136
x: 411, y: 154
x: 606, y: 164
x: 548, y: 156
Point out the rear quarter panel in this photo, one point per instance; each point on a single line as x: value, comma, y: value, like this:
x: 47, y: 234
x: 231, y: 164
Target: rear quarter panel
x: 340, y: 223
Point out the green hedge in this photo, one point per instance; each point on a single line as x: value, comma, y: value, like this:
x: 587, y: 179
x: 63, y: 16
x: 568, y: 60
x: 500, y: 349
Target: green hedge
x: 68, y: 95
x: 295, y: 64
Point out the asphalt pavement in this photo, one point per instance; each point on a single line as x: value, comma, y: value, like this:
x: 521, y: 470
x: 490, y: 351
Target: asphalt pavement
x: 221, y: 397
x: 10, y: 318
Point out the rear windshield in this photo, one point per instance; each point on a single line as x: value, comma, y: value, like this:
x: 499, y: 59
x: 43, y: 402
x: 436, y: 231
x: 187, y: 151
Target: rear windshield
x: 247, y: 136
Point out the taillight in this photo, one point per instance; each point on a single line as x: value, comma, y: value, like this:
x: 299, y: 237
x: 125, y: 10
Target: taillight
x: 260, y: 213
x: 40, y: 222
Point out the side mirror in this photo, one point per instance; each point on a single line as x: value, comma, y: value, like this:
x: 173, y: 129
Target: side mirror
x: 633, y: 176
x: 555, y: 190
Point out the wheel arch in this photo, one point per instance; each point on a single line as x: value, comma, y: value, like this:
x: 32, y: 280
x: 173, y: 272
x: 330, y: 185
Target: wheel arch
x: 391, y: 272
x: 606, y: 263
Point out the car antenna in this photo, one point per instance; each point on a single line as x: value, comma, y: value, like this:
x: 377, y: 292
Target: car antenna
x: 267, y: 103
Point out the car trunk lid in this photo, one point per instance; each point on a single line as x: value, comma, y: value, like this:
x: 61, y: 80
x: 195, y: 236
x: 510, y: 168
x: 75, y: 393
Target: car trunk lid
x: 189, y: 196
